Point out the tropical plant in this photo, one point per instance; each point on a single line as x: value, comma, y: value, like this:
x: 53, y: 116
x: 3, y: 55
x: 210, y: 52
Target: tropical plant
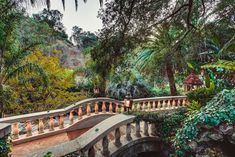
x: 127, y: 81
x: 29, y: 87
x: 219, y: 110
x: 13, y: 50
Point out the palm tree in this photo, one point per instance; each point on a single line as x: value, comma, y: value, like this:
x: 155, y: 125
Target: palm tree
x: 12, y: 54
x: 48, y: 2
x: 162, y: 54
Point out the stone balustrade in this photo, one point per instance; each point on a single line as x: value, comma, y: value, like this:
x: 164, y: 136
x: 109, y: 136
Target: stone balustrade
x: 85, y: 144
x: 41, y: 123
x: 29, y: 125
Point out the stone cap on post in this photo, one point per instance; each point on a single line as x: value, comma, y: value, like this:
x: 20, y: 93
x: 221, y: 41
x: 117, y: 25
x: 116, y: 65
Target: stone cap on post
x: 5, y: 129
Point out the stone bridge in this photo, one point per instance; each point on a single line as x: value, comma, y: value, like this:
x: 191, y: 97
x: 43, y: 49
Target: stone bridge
x: 80, y: 126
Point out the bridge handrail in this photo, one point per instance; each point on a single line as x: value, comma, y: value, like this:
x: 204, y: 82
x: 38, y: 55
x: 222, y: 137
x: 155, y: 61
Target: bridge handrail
x: 87, y: 140
x: 37, y: 115
x: 54, y: 121
x: 158, y: 98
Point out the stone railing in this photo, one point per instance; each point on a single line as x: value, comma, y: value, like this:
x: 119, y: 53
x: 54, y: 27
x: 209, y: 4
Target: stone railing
x: 29, y: 125
x: 86, y: 142
x: 41, y: 123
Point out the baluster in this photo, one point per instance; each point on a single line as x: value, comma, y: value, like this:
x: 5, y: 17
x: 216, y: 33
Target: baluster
x: 96, y: 108
x: 154, y: 106
x: 168, y: 103
x: 105, y: 145
x: 143, y: 107
x: 128, y: 132
x: 91, y: 152
x: 40, y: 126
x: 103, y: 107
x: 137, y: 129
x: 146, y: 128
x: 80, y: 112
x: 15, y: 131
x: 110, y: 107
x: 153, y: 129
x: 117, y: 108
x: 173, y: 104
x: 123, y: 109
x: 51, y: 123
x: 163, y: 104
x: 28, y: 128
x: 117, y: 138
x: 149, y: 106
x: 176, y: 103
x: 184, y: 103
x: 138, y: 107
x: 71, y: 117
x: 61, y: 121
x: 88, y: 109
x: 133, y: 107
x: 159, y: 105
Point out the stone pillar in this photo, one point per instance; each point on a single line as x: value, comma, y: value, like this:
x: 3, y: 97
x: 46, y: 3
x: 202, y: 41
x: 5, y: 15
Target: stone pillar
x: 105, y: 145
x: 128, y: 132
x: 154, y: 106
x: 61, y: 121
x: 143, y: 107
x: 28, y: 128
x: 80, y: 112
x: 110, y: 107
x: 149, y: 106
x: 40, y: 126
x: 91, y: 152
x: 88, y: 109
x: 51, y: 123
x: 104, y: 107
x: 71, y: 117
x: 159, y: 105
x: 117, y: 138
x: 137, y: 129
x: 15, y: 131
x: 146, y: 129
x: 138, y: 107
x: 117, y: 108
x: 153, y: 129
x: 96, y: 108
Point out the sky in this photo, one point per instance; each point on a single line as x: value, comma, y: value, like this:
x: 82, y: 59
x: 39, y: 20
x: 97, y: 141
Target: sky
x: 85, y: 17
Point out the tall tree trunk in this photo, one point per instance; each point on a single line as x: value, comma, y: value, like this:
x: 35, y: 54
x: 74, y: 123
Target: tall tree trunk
x: 171, y: 78
x: 1, y: 101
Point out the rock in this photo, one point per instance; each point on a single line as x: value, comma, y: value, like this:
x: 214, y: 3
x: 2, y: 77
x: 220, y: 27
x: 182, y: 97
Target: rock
x: 193, y: 145
x: 204, y: 137
x: 232, y: 138
x: 216, y: 137
x: 226, y: 129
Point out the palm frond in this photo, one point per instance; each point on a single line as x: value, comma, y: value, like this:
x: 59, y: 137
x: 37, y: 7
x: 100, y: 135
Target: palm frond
x: 48, y: 3
x: 227, y: 65
x: 29, y: 67
x: 76, y: 4
x: 63, y: 2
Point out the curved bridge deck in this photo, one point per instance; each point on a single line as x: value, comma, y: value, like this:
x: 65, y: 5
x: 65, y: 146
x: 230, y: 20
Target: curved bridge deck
x: 69, y: 123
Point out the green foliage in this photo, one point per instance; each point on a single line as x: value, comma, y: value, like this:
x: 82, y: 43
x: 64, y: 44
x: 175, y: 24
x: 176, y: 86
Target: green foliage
x: 5, y: 147
x: 48, y: 154
x: 219, y: 110
x: 194, y: 106
x: 225, y: 64
x: 126, y: 81
x: 167, y: 122
x: 202, y: 95
x: 83, y: 39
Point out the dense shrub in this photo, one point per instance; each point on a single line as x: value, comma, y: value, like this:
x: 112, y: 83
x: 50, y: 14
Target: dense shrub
x: 5, y: 147
x: 219, y: 110
x: 202, y: 95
